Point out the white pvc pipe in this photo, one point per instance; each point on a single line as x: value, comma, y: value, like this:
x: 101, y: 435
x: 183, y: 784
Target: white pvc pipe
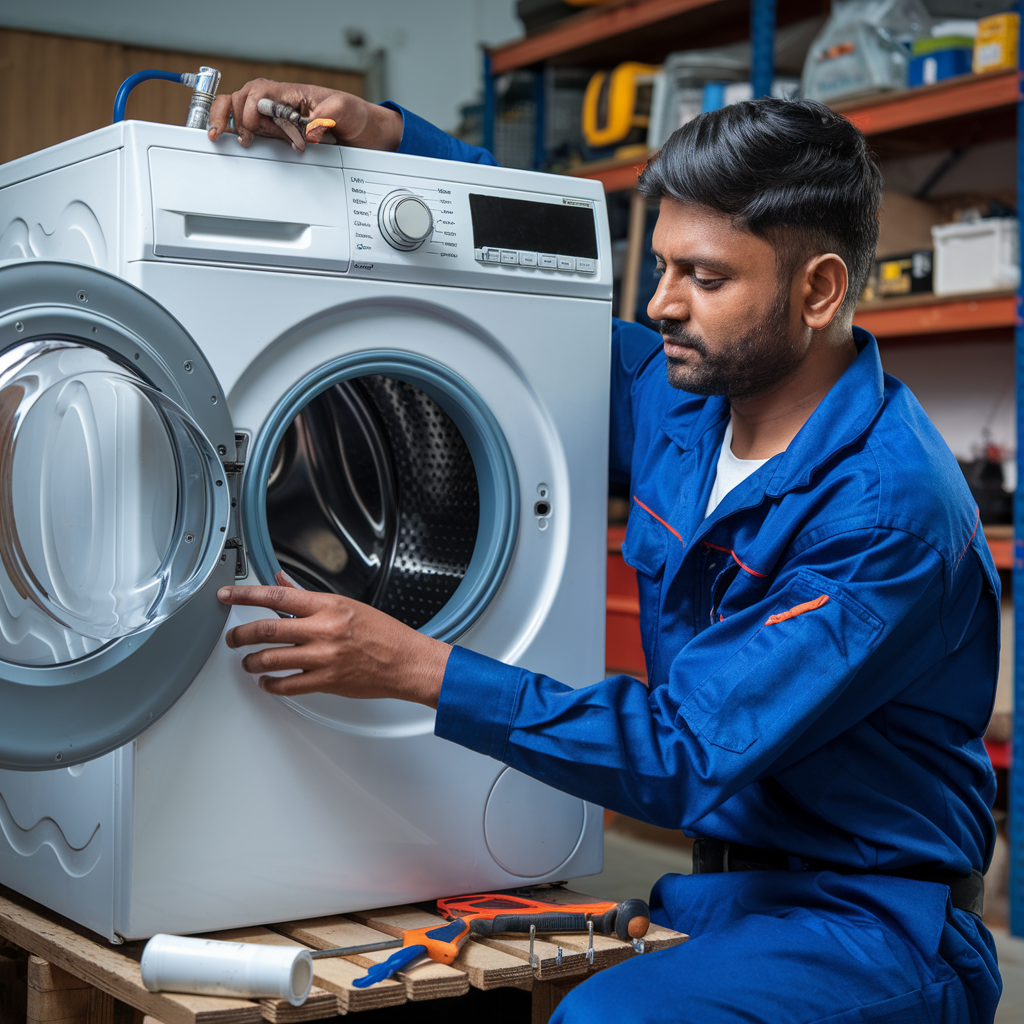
x: 207, y: 967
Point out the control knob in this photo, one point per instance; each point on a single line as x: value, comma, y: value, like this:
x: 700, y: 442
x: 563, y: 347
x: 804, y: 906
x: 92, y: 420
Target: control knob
x: 405, y: 220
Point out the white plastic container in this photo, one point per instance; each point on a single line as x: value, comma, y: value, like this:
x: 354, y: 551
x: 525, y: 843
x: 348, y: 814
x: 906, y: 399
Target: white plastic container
x: 171, y: 963
x: 976, y: 256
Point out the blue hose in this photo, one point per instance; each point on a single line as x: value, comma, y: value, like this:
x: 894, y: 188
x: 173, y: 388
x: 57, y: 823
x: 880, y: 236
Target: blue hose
x: 121, y: 99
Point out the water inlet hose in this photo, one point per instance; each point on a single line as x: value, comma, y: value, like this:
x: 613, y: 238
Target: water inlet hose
x: 121, y: 99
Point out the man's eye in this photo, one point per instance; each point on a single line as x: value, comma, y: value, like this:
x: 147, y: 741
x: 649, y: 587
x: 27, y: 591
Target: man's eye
x: 708, y: 283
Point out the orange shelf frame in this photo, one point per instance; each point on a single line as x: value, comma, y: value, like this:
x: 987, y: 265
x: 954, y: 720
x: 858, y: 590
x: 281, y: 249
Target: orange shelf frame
x: 939, y: 317
x: 956, y: 97
x: 583, y: 31
x: 616, y: 176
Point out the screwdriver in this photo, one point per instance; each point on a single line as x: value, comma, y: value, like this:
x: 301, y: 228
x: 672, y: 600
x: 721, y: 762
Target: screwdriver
x: 438, y: 942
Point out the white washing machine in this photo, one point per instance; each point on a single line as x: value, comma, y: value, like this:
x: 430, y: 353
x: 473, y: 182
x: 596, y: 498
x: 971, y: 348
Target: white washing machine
x: 386, y: 374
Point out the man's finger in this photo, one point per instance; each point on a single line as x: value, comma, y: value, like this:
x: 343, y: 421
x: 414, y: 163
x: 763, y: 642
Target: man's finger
x: 269, y: 631
x: 220, y: 111
x: 238, y: 100
x: 279, y: 599
x: 282, y: 659
x: 294, y: 685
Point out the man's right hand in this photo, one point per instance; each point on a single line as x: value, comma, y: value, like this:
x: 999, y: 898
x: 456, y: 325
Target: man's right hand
x: 357, y: 123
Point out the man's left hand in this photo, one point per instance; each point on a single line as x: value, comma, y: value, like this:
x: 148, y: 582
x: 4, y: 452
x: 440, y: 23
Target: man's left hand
x: 335, y: 645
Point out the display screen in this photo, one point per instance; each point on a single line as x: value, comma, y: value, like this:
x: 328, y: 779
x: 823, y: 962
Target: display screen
x: 501, y: 223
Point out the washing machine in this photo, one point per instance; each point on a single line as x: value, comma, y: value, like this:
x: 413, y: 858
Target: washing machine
x: 387, y: 375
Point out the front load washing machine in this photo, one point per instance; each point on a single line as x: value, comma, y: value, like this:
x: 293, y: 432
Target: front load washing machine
x: 387, y: 375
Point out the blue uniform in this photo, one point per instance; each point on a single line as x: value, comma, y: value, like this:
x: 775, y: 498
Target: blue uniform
x: 822, y: 652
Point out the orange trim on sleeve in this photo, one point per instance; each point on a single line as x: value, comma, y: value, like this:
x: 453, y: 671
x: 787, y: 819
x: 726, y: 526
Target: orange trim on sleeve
x: 807, y: 606
x: 660, y: 520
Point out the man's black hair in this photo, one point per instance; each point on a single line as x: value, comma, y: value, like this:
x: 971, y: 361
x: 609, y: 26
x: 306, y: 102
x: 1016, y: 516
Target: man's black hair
x: 790, y: 171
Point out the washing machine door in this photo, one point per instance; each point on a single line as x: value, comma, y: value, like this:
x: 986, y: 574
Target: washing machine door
x: 114, y: 512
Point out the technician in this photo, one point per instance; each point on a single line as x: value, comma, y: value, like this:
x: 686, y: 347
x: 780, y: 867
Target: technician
x: 819, y: 608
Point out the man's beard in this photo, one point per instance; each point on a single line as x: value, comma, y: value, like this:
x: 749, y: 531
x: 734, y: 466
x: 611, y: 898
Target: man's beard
x: 752, y: 365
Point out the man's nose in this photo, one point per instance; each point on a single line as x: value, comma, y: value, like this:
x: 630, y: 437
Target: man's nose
x: 668, y: 302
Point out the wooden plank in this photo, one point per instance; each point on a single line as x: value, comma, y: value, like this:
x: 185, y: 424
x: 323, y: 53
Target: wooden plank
x: 394, y: 920
x: 336, y: 974
x: 426, y: 981
x: 111, y: 970
x: 486, y: 968
x: 546, y: 997
x: 54, y: 996
x: 59, y: 87
x: 320, y: 1002
x: 13, y: 985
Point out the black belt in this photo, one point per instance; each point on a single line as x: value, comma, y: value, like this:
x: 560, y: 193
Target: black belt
x: 966, y: 892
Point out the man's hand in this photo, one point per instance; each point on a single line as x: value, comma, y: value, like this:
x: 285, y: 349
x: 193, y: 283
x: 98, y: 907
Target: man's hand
x: 357, y: 123
x: 338, y: 646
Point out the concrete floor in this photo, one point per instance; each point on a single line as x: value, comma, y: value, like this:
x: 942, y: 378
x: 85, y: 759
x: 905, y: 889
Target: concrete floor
x: 635, y: 857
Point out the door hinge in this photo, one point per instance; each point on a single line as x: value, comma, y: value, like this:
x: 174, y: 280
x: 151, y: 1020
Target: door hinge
x: 234, y: 464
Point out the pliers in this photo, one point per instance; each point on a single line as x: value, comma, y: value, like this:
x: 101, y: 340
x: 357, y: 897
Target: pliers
x: 297, y: 128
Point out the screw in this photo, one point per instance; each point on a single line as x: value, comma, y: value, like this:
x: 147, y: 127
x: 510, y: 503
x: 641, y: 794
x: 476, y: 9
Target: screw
x: 189, y: 537
x: 220, y: 483
x: 188, y: 365
x: 19, y: 326
x: 223, y: 558
x: 82, y: 296
x: 58, y: 757
x: 213, y: 398
x: 136, y: 355
x: 95, y: 330
x: 222, y: 449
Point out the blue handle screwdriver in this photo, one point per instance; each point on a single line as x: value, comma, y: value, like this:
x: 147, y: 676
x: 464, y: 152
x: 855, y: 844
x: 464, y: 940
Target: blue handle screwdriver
x: 438, y: 942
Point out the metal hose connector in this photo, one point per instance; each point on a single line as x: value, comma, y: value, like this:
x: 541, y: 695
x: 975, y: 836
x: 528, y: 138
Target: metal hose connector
x: 204, y: 91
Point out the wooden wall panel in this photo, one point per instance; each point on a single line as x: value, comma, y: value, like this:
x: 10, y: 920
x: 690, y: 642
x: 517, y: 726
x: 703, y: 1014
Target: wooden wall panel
x: 57, y: 87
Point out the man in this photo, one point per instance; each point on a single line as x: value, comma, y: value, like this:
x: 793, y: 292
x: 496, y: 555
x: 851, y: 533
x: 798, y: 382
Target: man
x: 818, y: 606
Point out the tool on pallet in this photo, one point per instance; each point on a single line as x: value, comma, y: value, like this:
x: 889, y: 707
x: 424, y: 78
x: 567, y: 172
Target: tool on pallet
x: 437, y: 942
x: 491, y: 913
x: 299, y: 129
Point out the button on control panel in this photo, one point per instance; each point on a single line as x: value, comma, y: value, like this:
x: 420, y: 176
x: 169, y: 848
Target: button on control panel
x: 542, y: 260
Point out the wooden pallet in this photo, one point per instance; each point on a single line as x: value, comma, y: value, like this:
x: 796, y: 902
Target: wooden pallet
x: 75, y: 978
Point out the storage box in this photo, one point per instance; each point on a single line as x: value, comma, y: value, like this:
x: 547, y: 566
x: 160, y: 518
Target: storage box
x: 976, y: 256
x: 936, y: 59
x: 995, y: 48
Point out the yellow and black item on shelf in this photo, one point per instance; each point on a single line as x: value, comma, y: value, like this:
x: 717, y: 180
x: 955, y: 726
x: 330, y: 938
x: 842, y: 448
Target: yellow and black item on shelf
x: 909, y: 274
x: 616, y: 110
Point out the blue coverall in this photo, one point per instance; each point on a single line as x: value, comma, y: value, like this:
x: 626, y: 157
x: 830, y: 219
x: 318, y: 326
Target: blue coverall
x: 822, y: 653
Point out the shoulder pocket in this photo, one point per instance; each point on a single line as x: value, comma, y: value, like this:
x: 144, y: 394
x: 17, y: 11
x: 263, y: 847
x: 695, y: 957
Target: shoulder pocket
x: 645, y: 546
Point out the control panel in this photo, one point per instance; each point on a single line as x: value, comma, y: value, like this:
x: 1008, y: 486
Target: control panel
x: 409, y: 227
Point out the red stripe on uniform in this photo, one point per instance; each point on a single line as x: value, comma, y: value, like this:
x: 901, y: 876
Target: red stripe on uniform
x: 807, y: 606
x: 660, y: 520
x: 729, y: 551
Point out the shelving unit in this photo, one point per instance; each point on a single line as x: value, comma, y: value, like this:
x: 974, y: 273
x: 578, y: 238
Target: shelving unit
x: 964, y: 111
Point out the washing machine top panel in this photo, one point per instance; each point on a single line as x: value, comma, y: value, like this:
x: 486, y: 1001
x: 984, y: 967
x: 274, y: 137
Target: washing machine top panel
x: 114, y: 511
x: 329, y: 210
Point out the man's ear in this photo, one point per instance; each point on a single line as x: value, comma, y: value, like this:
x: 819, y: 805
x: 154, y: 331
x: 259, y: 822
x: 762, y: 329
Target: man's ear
x: 822, y: 285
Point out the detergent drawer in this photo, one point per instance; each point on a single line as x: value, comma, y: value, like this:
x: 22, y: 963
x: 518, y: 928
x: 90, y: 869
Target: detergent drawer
x: 239, y: 210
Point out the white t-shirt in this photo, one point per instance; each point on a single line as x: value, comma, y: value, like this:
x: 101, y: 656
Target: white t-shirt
x: 731, y: 471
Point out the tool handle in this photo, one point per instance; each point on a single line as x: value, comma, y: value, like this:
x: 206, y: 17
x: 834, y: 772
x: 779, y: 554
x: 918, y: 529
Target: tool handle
x: 394, y: 963
x: 630, y: 919
x: 522, y: 922
x: 442, y: 942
